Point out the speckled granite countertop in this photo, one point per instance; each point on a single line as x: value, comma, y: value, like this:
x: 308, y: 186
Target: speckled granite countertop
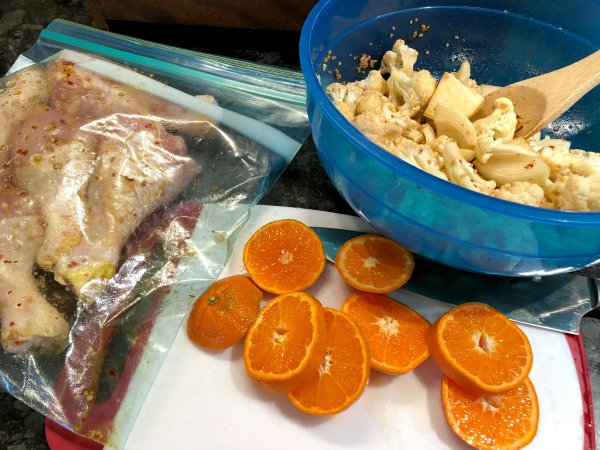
x: 304, y: 184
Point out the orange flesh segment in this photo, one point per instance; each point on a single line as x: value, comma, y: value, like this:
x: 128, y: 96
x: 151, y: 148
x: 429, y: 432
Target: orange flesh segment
x: 481, y: 349
x: 284, y: 256
x: 287, y: 342
x: 344, y: 372
x: 374, y: 263
x: 500, y: 421
x: 396, y: 333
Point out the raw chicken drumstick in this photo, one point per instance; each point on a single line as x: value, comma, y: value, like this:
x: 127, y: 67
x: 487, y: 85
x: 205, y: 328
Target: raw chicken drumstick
x: 138, y: 168
x: 28, y: 321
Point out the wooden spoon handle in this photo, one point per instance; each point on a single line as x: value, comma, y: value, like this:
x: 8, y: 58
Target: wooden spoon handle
x: 574, y: 80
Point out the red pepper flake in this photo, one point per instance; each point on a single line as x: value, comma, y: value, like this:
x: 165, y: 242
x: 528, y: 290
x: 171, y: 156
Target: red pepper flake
x: 12, y: 324
x: 112, y: 373
x: 20, y: 151
x: 530, y: 165
x: 18, y: 304
x: 34, y: 127
x: 167, y: 291
x: 144, y: 183
x: 552, y: 146
x: 6, y: 166
x: 72, y: 264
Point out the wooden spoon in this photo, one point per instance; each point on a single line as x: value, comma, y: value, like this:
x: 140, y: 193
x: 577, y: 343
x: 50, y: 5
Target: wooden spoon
x: 540, y: 100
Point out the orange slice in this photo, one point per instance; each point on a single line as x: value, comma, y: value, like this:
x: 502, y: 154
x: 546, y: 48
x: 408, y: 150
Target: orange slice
x: 222, y: 315
x: 284, y: 256
x: 504, y: 421
x: 480, y: 348
x: 396, y: 333
x: 286, y: 344
x: 344, y: 371
x: 374, y: 263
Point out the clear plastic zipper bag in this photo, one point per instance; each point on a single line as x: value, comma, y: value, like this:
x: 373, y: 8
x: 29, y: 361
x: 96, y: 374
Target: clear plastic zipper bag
x: 127, y: 168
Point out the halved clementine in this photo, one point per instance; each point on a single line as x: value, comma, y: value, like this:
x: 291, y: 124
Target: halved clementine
x: 222, y: 315
x: 396, y: 333
x: 374, y: 263
x: 480, y: 348
x: 284, y: 256
x: 344, y: 371
x: 505, y: 421
x: 286, y: 344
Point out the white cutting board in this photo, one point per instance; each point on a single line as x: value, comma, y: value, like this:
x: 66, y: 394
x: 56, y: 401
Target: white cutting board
x: 203, y: 399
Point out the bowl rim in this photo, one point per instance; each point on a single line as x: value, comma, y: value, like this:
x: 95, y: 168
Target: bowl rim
x: 316, y: 92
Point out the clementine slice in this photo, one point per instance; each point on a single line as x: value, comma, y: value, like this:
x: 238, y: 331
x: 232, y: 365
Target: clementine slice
x: 480, y: 348
x: 344, y: 371
x: 222, y: 315
x: 284, y: 256
x: 286, y: 344
x: 504, y: 421
x: 396, y: 333
x: 374, y: 263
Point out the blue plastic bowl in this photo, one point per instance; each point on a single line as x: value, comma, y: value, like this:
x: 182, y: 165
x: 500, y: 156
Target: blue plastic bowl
x: 505, y: 42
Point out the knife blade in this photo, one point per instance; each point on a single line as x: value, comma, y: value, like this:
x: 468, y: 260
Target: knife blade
x: 555, y: 302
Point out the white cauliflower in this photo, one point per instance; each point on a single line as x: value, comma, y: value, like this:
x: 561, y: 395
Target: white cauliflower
x: 522, y: 192
x: 562, y: 160
x: 374, y: 82
x: 376, y: 116
x: 462, y: 172
x: 407, y: 88
x: 497, y: 128
x: 421, y: 156
x: 401, y: 57
x: 345, y: 97
x: 575, y: 192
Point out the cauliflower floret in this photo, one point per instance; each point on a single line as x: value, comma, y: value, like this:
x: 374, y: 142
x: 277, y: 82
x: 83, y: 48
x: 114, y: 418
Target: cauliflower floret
x: 418, y: 155
x: 461, y: 172
x: 575, y: 193
x: 349, y: 93
x: 371, y: 101
x: 376, y: 115
x: 521, y: 192
x: 563, y: 161
x: 401, y: 57
x: 370, y: 123
x: 411, y: 92
x: 407, y: 88
x: 497, y: 128
x: 345, y: 109
x: 374, y: 82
